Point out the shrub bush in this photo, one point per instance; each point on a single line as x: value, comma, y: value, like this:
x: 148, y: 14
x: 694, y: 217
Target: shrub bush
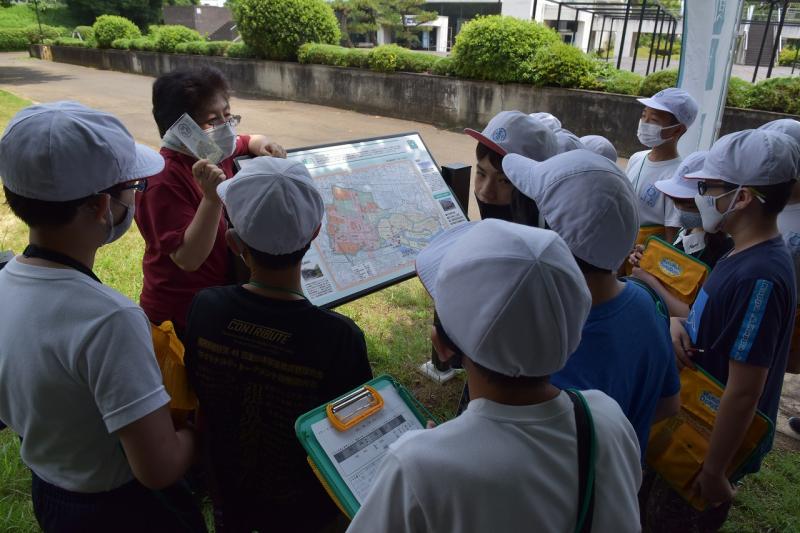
x: 13, y: 39
x: 393, y: 58
x: 275, y: 29
x: 108, y: 28
x: 121, y: 44
x: 86, y: 32
x: 143, y: 44
x: 494, y: 47
x: 71, y: 41
x: 167, y: 37
x: 217, y: 48
x: 47, y: 32
x: 738, y: 92
x: 776, y: 94
x: 658, y: 81
x: 612, y: 80
x: 328, y: 54
x: 560, y: 65
x: 787, y: 56
x: 443, y: 66
x: 240, y: 50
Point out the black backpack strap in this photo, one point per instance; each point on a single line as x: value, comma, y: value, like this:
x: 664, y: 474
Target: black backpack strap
x: 661, y: 305
x: 586, y: 461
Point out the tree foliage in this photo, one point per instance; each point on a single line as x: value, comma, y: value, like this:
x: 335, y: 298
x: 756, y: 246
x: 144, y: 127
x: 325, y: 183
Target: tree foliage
x: 141, y: 12
x: 360, y: 20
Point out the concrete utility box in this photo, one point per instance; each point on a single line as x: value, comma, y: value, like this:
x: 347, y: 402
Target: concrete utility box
x: 216, y: 22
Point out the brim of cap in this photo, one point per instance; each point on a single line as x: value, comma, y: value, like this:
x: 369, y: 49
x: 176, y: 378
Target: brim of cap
x: 700, y: 175
x: 222, y: 188
x: 675, y: 190
x: 517, y: 169
x: 649, y: 102
x: 148, y: 163
x: 429, y: 259
x: 486, y: 141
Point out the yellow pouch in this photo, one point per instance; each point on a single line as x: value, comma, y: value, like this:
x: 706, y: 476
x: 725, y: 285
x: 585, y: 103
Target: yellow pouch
x: 645, y: 232
x: 678, y: 445
x: 169, y: 354
x: 680, y: 273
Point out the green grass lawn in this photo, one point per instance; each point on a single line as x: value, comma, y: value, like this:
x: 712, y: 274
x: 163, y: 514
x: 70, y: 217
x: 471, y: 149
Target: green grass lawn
x: 21, y: 15
x: 396, y: 323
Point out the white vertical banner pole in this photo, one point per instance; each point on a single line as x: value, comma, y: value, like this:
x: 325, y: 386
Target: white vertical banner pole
x: 707, y: 48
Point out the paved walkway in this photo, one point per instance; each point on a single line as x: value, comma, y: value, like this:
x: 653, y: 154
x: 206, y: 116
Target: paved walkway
x: 290, y: 123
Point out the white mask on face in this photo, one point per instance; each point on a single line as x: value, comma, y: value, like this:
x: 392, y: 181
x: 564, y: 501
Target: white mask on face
x: 650, y: 134
x: 223, y: 136
x: 712, y: 218
x: 115, y: 231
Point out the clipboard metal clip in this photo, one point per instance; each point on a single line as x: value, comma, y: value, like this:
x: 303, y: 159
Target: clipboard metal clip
x: 348, y: 411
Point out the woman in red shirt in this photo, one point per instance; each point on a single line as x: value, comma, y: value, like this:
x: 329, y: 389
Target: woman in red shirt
x: 180, y: 214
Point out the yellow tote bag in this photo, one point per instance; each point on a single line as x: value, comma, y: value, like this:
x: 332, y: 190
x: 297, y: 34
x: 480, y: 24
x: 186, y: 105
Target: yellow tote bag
x: 169, y: 354
x: 680, y: 273
x: 678, y: 445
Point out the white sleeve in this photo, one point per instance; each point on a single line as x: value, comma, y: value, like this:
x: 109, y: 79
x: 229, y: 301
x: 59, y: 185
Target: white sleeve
x: 391, y: 504
x: 120, y: 368
x: 672, y: 216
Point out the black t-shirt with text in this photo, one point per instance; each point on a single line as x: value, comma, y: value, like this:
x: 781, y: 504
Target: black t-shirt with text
x: 256, y: 364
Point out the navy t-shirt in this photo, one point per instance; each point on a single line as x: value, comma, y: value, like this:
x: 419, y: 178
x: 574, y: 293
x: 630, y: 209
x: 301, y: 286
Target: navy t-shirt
x: 745, y: 313
x: 626, y: 352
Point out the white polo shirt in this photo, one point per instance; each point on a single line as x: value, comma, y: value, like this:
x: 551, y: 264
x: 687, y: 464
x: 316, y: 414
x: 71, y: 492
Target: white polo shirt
x: 76, y: 365
x: 500, y: 468
x: 655, y: 208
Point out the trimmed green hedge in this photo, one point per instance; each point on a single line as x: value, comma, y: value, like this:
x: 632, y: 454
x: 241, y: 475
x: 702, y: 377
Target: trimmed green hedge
x: 203, y: 48
x: 121, y: 44
x: 86, y: 32
x: 47, y: 32
x: 72, y: 41
x: 612, y: 80
x: 13, y: 40
x: 144, y: 44
x: 776, y: 94
x: 240, y: 51
x: 494, y: 48
x: 329, y: 54
x: 275, y: 29
x: 658, y: 81
x: 385, y: 58
x: 108, y: 28
x: 559, y: 65
x: 168, y: 37
x: 738, y: 92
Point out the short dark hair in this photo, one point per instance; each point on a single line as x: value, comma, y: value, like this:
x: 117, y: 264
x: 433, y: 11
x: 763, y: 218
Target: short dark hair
x: 588, y: 268
x: 523, y: 209
x: 185, y: 91
x: 42, y: 213
x: 495, y: 159
x: 775, y: 196
x: 278, y: 262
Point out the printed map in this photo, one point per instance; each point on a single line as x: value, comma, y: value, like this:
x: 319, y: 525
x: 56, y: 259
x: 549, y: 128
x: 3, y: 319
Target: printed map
x: 378, y: 218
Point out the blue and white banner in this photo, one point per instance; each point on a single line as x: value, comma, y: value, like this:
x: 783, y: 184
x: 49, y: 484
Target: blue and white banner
x: 709, y: 38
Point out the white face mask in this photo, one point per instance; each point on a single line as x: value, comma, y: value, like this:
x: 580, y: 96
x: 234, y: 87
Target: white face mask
x: 650, y: 134
x: 694, y: 242
x: 712, y: 218
x: 115, y: 231
x: 223, y: 136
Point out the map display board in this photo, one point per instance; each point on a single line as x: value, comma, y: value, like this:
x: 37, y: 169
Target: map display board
x: 384, y: 201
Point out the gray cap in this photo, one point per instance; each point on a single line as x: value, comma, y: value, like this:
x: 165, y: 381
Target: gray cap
x: 513, y: 132
x: 678, y: 186
x: 600, y: 145
x: 752, y: 157
x: 567, y: 141
x: 64, y: 151
x: 676, y: 101
x: 548, y: 119
x: 273, y: 205
x: 502, y: 288
x: 586, y: 199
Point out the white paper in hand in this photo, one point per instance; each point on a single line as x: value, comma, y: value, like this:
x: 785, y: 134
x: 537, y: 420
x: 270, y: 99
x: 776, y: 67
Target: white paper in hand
x: 195, y: 140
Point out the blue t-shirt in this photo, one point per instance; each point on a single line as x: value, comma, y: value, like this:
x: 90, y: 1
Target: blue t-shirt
x: 626, y: 352
x: 745, y: 313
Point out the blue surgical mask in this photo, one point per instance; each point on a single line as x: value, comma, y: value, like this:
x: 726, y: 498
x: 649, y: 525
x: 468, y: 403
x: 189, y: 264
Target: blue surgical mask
x: 690, y: 219
x: 115, y: 231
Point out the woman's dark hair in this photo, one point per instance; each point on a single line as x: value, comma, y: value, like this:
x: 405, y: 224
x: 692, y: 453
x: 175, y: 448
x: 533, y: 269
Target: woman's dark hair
x: 495, y: 159
x: 41, y: 213
x: 185, y: 91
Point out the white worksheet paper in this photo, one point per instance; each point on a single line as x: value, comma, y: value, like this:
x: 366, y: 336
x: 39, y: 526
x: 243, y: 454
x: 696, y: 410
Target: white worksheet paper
x: 358, y: 452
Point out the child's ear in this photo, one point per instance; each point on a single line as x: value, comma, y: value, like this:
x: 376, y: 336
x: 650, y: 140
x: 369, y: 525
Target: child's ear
x: 234, y: 242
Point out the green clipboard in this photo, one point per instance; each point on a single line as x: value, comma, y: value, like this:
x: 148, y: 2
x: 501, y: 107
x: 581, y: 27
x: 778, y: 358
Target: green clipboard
x: 321, y: 461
